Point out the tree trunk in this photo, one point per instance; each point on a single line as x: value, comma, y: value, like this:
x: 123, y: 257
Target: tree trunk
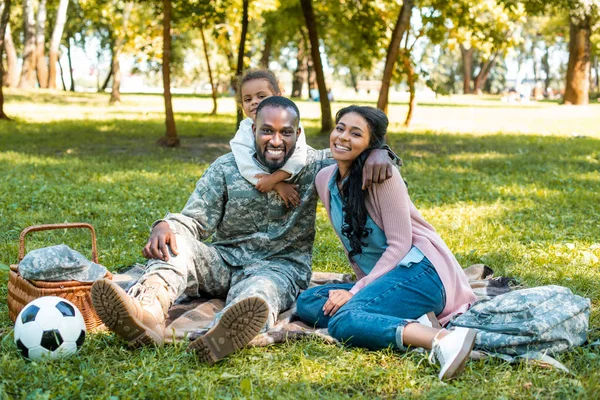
x: 300, y: 72
x: 597, y: 68
x: 213, y: 87
x: 115, y: 71
x: 467, y: 62
x: 578, y: 83
x: 107, y: 80
x: 410, y: 73
x: 11, y: 77
x: 170, y: 139
x: 311, y: 76
x: 62, y: 75
x: 266, y: 54
x: 484, y: 73
x: 591, y: 75
x: 29, y: 46
x: 40, y: 56
x: 115, y: 94
x: 4, y: 14
x: 402, y: 25
x: 354, y: 80
x: 226, y: 48
x: 57, y: 32
x: 309, y: 16
x: 241, y: 49
x: 70, y: 65
x: 546, y: 68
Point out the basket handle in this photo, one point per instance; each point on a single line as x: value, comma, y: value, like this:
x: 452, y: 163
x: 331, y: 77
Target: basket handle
x: 49, y: 227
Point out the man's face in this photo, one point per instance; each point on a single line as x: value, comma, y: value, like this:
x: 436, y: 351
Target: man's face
x: 276, y: 132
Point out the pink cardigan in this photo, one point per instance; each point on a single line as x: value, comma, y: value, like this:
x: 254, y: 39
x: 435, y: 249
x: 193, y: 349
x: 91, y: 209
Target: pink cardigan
x: 392, y: 210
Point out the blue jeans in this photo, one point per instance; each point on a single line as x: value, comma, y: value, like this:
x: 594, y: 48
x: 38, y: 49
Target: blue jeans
x: 375, y: 317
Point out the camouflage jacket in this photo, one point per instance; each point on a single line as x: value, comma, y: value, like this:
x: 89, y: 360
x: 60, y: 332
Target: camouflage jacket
x: 253, y: 229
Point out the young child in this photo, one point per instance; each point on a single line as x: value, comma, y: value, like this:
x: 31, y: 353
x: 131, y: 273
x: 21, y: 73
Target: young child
x: 254, y: 87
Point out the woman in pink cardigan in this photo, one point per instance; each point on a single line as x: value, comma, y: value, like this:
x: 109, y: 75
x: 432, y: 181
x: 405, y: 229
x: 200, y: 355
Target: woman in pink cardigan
x: 408, y: 280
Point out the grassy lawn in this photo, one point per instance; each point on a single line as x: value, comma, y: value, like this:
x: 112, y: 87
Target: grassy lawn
x: 515, y: 187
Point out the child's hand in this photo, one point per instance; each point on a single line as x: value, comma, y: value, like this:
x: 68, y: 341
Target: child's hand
x: 289, y: 194
x: 266, y: 182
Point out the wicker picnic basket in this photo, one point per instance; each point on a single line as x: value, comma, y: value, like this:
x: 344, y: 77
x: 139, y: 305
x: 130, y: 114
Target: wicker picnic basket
x: 21, y: 291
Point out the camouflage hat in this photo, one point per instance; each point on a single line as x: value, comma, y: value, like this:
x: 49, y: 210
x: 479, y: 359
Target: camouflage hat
x: 59, y: 263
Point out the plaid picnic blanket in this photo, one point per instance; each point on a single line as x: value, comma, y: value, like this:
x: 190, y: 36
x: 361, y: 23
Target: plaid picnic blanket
x: 189, y: 318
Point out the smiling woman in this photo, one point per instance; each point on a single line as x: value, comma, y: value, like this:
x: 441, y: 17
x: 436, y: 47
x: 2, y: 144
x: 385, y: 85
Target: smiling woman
x: 407, y: 276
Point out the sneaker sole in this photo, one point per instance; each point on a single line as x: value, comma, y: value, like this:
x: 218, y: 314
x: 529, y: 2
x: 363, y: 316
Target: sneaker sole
x: 236, y: 328
x: 111, y: 306
x: 459, y: 362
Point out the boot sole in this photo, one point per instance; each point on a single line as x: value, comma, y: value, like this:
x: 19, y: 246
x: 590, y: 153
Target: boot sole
x: 236, y: 328
x: 111, y: 307
x: 459, y: 362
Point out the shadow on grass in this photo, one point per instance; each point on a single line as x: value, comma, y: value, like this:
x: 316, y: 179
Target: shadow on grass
x: 113, y: 170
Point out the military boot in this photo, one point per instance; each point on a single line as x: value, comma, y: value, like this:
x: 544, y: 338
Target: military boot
x: 137, y: 317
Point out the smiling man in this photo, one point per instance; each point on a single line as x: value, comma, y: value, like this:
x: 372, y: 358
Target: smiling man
x: 259, y: 255
x: 276, y: 132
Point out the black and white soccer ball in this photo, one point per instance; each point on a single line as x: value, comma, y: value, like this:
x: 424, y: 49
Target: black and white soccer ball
x: 49, y: 327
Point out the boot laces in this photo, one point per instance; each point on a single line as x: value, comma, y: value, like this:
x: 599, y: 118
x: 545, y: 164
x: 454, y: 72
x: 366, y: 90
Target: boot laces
x: 145, y: 294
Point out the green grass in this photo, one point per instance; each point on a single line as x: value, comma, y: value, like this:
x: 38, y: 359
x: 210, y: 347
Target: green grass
x: 525, y: 204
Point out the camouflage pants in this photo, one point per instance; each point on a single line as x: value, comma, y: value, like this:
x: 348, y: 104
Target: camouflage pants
x: 199, y: 270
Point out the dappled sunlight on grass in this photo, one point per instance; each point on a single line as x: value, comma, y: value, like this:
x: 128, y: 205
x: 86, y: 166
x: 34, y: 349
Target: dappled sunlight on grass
x: 526, y: 205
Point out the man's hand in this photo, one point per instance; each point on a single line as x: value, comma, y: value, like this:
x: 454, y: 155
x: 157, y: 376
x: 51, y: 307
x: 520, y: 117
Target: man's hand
x: 289, y: 193
x: 378, y: 168
x: 337, y: 298
x: 160, y: 237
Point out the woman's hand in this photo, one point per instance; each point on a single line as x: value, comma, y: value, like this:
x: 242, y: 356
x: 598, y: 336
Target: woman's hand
x: 337, y: 298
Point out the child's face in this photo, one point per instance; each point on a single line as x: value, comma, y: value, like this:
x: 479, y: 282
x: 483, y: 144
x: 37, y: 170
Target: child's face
x: 253, y: 92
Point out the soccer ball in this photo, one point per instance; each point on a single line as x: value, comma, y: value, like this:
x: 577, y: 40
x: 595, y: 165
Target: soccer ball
x: 49, y: 327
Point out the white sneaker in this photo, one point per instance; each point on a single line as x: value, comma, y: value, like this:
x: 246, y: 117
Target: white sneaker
x: 429, y: 320
x: 452, y: 351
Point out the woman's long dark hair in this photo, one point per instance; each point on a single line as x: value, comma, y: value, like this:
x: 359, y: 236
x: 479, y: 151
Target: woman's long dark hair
x: 353, y: 196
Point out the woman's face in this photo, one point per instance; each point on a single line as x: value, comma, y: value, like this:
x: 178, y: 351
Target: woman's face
x: 349, y: 138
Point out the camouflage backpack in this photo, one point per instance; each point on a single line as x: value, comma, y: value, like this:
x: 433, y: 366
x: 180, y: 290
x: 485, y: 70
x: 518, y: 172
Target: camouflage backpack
x: 545, y: 319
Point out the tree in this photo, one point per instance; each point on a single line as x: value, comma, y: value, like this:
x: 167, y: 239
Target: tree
x: 29, y: 47
x: 409, y: 70
x: 578, y: 69
x: 359, y: 38
x: 170, y: 139
x: 309, y: 16
x: 583, y: 15
x: 61, y: 17
x: 40, y: 35
x: 210, y: 74
x: 402, y: 25
x: 240, y: 57
x: 4, y: 14
x: 440, y: 67
x: 115, y: 95
x: 11, y: 76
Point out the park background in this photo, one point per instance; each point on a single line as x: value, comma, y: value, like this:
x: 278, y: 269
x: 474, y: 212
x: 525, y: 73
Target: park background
x: 111, y: 110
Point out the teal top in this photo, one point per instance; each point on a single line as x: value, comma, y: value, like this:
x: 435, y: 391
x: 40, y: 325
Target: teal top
x: 375, y: 242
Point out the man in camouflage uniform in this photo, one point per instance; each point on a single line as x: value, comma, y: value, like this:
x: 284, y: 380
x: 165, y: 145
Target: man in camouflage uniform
x: 259, y: 257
